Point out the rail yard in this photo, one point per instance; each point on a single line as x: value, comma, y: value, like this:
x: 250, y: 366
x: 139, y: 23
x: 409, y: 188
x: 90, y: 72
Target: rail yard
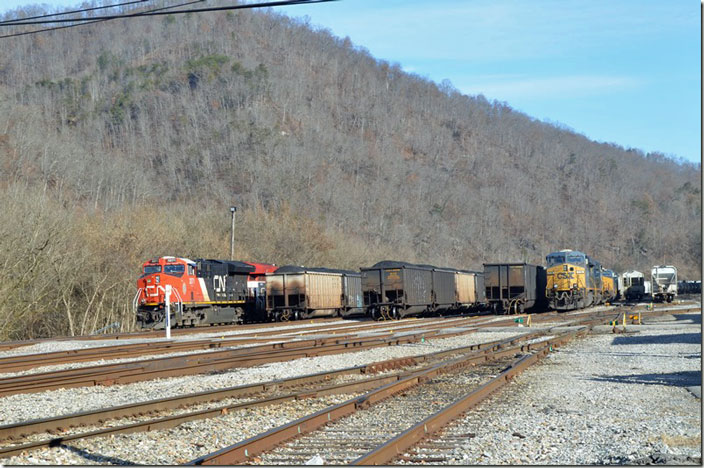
x: 609, y: 384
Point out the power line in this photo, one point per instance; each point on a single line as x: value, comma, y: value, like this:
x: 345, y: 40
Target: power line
x: 93, y: 21
x: 157, y: 13
x: 74, y: 11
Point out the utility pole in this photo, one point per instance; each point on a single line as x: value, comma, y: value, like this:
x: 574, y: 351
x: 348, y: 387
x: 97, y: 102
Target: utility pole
x: 233, y: 209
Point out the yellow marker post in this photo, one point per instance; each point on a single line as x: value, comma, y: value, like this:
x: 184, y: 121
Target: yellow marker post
x: 624, y: 320
x: 528, y: 322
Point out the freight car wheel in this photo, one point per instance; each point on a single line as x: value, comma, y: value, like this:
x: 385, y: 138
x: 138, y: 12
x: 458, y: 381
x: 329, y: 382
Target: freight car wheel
x: 394, y: 313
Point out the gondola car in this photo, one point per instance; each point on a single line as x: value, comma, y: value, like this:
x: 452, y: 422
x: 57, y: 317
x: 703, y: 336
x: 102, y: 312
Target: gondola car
x: 393, y: 290
x: 512, y: 288
x: 297, y: 292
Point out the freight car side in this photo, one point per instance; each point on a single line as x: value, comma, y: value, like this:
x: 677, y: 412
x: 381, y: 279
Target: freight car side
x: 397, y: 289
x: 295, y: 292
x: 514, y: 287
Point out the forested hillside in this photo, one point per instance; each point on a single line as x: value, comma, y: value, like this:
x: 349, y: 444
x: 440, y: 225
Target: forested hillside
x: 126, y: 140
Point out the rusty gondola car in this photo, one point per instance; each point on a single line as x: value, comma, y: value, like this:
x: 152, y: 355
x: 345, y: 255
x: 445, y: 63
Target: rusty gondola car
x: 515, y: 287
x: 297, y: 292
x: 469, y: 290
x: 393, y: 290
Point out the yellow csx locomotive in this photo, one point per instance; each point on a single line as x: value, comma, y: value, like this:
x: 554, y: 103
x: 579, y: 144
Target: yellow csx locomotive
x: 609, y: 281
x: 574, y: 280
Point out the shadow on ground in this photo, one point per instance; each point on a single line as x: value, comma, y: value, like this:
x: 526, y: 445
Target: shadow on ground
x: 696, y: 318
x: 96, y: 457
x: 685, y: 338
x: 674, y: 379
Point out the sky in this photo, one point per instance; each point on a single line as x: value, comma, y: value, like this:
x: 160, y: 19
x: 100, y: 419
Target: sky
x: 619, y: 71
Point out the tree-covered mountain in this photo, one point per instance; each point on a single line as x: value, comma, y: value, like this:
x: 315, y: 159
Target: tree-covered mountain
x: 126, y: 140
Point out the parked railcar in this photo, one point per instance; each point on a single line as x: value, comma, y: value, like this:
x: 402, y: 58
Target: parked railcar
x: 393, y: 290
x: 469, y: 290
x: 633, y: 285
x: 664, y: 283
x: 397, y: 289
x: 514, y: 287
x: 202, y: 292
x: 573, y: 280
x: 297, y: 292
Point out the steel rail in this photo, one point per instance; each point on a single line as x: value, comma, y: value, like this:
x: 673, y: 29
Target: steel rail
x: 8, y: 345
x: 30, y: 361
x: 398, y: 445
x: 135, y: 371
x: 245, y: 450
x: 498, y: 348
x: 95, y: 416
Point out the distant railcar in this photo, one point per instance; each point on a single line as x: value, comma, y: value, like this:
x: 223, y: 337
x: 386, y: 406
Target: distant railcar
x: 664, y: 283
x: 514, y: 287
x: 393, y: 290
x: 633, y: 285
x: 296, y: 292
x: 469, y: 290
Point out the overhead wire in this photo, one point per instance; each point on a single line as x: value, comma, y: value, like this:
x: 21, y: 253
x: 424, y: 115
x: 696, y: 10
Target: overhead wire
x: 93, y: 20
x: 156, y: 13
x: 152, y: 12
x: 83, y: 10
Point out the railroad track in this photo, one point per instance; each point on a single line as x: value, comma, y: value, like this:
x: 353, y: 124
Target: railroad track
x: 219, y: 360
x: 349, y: 380
x: 345, y: 432
x: 335, y: 443
x: 23, y: 362
x: 135, y: 371
x: 272, y: 393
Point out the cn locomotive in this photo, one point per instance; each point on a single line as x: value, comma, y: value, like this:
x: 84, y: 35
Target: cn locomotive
x: 202, y: 292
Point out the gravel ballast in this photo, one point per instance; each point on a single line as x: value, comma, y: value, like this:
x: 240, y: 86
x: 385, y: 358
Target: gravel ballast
x: 603, y: 399
x: 606, y: 399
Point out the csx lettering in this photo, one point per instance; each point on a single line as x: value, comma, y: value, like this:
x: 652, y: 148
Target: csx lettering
x: 219, y: 283
x: 565, y: 275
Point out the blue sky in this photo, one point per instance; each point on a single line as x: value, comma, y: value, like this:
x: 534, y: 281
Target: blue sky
x: 619, y: 71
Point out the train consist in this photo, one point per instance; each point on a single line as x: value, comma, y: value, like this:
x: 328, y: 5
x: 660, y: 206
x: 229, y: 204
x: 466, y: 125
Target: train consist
x: 209, y: 292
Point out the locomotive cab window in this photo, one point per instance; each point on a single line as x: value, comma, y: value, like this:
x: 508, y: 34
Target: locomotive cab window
x: 149, y: 269
x: 174, y: 270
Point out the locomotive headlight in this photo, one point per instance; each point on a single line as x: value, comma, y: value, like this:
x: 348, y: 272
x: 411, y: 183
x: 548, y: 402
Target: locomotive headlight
x: 564, y: 267
x: 157, y: 279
